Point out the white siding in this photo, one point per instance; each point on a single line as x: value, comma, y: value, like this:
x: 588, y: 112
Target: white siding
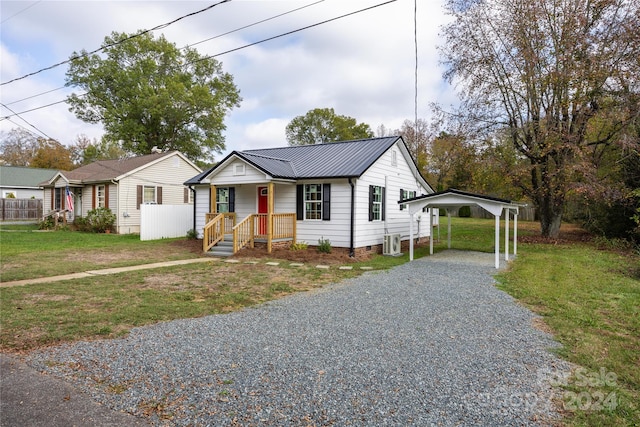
x: 228, y: 176
x: 169, y: 173
x: 393, y: 177
x: 337, y: 229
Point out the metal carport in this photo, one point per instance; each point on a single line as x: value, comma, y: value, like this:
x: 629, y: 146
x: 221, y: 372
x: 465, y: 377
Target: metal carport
x: 451, y: 199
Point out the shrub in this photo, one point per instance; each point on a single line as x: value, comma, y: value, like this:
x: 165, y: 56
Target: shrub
x: 324, y: 245
x: 82, y: 224
x: 298, y: 246
x: 101, y: 219
x: 48, y: 223
x: 192, y: 234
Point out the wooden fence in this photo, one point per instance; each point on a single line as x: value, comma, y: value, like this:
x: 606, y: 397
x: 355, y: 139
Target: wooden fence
x: 527, y: 213
x: 21, y: 209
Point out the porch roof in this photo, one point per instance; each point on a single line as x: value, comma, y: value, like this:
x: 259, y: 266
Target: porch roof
x: 347, y: 159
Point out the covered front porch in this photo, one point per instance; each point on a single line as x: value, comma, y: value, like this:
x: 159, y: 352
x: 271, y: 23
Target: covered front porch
x: 223, y: 224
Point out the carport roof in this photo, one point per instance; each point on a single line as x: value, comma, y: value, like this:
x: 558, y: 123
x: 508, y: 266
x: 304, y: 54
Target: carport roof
x: 455, y: 198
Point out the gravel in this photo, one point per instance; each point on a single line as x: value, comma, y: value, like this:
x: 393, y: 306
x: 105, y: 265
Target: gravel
x: 431, y: 342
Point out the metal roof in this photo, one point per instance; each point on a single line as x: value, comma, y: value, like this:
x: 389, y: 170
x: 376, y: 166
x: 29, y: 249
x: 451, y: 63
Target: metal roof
x: 346, y: 159
x: 18, y: 176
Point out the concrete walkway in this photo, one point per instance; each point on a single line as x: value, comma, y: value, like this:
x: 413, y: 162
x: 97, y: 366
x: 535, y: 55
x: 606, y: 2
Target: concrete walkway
x: 102, y: 272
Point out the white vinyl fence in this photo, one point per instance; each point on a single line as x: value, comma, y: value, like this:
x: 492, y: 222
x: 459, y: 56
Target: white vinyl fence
x: 165, y: 221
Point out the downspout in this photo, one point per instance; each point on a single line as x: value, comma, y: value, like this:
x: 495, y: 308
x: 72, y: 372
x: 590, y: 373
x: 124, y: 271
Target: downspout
x: 352, y: 252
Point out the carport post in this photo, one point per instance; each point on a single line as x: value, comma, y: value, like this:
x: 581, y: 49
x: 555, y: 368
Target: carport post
x: 430, y: 231
x: 449, y: 228
x: 411, y: 236
x: 515, y: 233
x: 497, y: 243
x: 506, y: 234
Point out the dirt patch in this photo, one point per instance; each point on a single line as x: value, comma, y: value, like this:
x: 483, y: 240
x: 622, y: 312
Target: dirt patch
x: 306, y: 256
x: 569, y: 233
x: 189, y: 245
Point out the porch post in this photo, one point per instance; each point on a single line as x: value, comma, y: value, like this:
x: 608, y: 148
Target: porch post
x: 506, y: 234
x: 212, y: 199
x: 269, y: 216
x: 497, y: 242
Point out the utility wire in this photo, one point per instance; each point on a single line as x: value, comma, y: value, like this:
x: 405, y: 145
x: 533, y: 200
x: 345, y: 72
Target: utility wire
x: 20, y: 11
x: 253, y: 24
x: 296, y: 31
x: 159, y: 27
x: 239, y: 48
x: 194, y: 44
x: 24, y: 120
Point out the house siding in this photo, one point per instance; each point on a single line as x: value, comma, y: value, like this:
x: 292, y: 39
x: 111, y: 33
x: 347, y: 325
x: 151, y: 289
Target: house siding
x: 383, y: 173
x: 169, y: 173
x: 227, y: 176
x: 337, y: 229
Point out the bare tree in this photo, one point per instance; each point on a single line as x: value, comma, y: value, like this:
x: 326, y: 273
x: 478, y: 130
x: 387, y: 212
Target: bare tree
x: 17, y: 147
x: 550, y: 72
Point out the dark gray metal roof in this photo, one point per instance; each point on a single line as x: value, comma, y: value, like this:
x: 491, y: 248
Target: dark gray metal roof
x: 347, y: 159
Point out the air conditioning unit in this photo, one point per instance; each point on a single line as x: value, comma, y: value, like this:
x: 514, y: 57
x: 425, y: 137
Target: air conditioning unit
x: 391, y: 244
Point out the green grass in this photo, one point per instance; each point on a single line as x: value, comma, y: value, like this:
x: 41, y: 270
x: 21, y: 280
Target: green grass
x: 589, y: 298
x: 26, y: 252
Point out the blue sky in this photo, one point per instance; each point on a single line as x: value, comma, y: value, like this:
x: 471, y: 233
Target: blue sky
x: 361, y: 65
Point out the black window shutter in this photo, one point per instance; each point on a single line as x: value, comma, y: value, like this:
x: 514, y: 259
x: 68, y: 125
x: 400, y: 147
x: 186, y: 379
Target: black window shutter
x: 371, y: 190
x: 401, y: 198
x: 300, y: 202
x: 384, y: 192
x: 159, y: 195
x: 232, y: 199
x: 326, y: 202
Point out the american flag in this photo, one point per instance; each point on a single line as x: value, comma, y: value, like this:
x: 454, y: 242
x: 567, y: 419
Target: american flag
x: 69, y: 199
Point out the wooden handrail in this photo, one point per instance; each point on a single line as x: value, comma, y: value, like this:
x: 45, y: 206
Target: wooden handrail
x: 217, y: 225
x: 243, y: 233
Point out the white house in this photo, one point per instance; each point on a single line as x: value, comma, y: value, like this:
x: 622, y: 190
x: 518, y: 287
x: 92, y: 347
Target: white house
x: 346, y: 192
x: 122, y: 186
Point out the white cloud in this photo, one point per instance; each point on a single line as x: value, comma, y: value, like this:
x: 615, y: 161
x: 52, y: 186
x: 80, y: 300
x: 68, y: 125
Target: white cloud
x: 361, y: 65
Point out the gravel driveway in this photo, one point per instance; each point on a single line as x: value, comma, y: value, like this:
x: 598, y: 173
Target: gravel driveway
x: 429, y: 342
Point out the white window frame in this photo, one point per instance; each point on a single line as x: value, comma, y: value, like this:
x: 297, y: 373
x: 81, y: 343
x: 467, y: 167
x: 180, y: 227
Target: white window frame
x: 311, y: 214
x: 219, y: 203
x: 146, y: 201
x: 377, y: 202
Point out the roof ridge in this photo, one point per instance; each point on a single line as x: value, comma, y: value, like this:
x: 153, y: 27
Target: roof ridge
x: 322, y: 144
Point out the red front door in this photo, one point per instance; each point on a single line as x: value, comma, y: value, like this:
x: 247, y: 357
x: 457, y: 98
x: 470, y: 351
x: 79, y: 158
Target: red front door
x: 263, y: 208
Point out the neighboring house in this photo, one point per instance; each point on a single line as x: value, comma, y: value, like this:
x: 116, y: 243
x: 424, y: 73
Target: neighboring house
x: 346, y: 192
x: 122, y: 186
x: 23, y: 182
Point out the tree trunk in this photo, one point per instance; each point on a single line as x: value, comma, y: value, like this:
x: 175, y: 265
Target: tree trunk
x: 550, y: 221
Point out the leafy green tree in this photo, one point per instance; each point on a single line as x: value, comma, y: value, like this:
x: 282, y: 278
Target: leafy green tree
x: 146, y: 92
x: 85, y: 151
x: 452, y: 162
x: 544, y: 70
x: 322, y: 125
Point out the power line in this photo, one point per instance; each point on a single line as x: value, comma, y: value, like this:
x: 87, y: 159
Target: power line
x: 238, y: 48
x: 159, y: 27
x: 253, y: 24
x: 25, y: 120
x: 296, y: 31
x: 194, y: 44
x: 20, y: 11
